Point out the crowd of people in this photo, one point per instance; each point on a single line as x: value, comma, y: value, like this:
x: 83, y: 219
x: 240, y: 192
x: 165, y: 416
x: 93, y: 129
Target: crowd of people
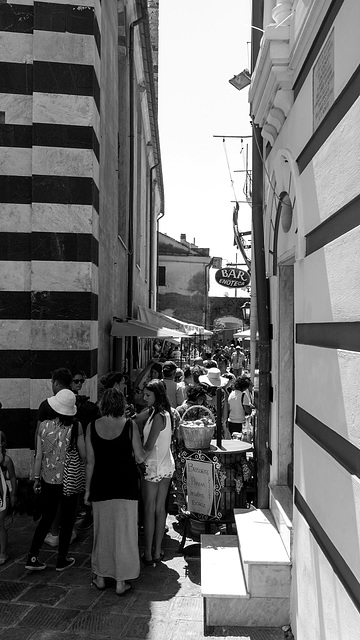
x: 112, y: 462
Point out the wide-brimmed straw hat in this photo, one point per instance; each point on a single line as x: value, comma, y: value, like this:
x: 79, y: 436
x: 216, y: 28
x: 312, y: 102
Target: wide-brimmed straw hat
x: 213, y: 378
x: 63, y: 402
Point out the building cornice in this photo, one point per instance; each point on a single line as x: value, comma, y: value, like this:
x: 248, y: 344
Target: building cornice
x: 271, y: 95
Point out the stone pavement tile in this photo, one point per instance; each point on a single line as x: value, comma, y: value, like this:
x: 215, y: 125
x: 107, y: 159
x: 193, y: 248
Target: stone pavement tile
x: 98, y: 623
x: 14, y: 633
x: 160, y: 629
x: 81, y: 559
x: 10, y: 590
x: 74, y: 576
x: 108, y: 602
x: 151, y: 580
x: 185, y: 608
x: 10, y: 613
x: 13, y: 571
x: 136, y: 627
x: 149, y: 604
x: 190, y: 629
x: 43, y: 617
x: 183, y: 587
x: 54, y: 635
x: 149, y: 628
x: 83, y: 544
x: 47, y: 576
x: 79, y: 597
x: 43, y: 594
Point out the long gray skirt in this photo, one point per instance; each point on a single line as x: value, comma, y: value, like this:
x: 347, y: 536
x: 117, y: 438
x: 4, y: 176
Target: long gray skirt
x: 115, y: 551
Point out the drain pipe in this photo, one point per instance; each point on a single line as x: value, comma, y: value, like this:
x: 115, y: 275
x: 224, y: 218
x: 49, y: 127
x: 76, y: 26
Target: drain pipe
x: 262, y: 293
x: 130, y: 287
x: 151, y: 251
x: 130, y: 292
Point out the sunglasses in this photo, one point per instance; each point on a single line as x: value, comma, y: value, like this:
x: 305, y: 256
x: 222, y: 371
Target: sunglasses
x: 78, y: 381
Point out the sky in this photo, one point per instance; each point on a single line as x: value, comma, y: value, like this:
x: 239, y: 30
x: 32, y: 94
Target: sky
x: 202, y: 44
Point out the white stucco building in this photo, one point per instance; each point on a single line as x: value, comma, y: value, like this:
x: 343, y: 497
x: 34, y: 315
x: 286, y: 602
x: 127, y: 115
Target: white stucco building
x: 304, y: 98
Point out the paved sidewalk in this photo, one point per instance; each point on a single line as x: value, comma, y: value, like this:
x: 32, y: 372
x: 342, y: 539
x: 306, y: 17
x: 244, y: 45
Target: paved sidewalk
x: 164, y: 604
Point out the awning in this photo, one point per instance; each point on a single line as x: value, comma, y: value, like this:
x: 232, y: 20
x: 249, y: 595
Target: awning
x: 136, y: 328
x: 160, y: 319
x: 192, y: 329
x: 244, y: 335
x: 156, y: 319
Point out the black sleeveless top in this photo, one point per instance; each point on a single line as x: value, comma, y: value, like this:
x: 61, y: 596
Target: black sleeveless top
x: 115, y: 473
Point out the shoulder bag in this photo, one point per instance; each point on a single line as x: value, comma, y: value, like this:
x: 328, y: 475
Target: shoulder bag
x: 74, y: 469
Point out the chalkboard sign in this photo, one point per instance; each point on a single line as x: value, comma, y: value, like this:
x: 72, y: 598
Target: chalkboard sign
x: 200, y: 486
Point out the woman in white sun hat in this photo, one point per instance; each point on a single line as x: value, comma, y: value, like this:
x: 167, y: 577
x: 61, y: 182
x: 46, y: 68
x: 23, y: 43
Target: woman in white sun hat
x: 55, y: 437
x: 211, y: 382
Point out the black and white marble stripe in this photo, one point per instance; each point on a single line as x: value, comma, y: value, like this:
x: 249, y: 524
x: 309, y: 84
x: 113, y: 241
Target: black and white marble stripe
x: 49, y: 199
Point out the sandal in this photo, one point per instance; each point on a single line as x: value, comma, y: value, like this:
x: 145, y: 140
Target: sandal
x: 147, y: 563
x: 160, y: 559
x: 125, y: 590
x: 94, y: 582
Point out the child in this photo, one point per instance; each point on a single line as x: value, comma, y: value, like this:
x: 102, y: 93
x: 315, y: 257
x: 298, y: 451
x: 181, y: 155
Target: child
x: 8, y: 486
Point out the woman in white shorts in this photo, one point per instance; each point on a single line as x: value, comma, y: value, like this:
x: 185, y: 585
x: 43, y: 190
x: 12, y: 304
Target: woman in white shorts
x: 159, y: 467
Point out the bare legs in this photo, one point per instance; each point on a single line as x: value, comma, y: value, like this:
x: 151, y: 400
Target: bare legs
x: 154, y: 497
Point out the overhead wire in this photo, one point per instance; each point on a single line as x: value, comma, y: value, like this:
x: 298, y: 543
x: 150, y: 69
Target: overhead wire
x: 228, y: 165
x: 237, y: 234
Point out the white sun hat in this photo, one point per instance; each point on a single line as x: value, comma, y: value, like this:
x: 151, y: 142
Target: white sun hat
x: 213, y: 378
x: 63, y: 402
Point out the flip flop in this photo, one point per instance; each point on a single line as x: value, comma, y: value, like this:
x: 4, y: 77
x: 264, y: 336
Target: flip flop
x: 160, y: 559
x: 128, y: 587
x: 93, y: 581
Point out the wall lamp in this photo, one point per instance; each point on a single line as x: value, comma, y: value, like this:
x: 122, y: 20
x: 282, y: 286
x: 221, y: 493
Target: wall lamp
x: 242, y: 80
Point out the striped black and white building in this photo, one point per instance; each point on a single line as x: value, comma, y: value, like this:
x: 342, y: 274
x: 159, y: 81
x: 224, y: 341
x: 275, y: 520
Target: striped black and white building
x: 51, y: 100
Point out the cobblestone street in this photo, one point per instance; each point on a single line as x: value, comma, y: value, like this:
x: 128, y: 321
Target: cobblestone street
x: 164, y: 604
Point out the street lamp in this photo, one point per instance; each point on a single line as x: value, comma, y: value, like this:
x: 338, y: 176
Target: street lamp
x: 242, y: 80
x: 245, y: 312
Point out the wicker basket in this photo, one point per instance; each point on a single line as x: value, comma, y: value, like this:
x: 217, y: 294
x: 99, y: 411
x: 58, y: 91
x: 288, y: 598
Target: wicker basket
x: 197, y: 436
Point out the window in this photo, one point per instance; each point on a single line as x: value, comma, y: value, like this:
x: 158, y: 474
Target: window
x: 162, y: 276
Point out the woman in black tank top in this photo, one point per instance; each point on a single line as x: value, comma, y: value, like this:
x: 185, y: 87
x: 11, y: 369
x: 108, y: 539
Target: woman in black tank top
x: 112, y: 448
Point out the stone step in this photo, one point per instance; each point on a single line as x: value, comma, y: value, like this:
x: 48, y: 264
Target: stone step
x: 221, y: 570
x: 281, y: 506
x: 226, y: 599
x: 265, y: 561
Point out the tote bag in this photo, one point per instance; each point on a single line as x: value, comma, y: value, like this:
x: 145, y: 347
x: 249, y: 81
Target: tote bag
x: 74, y: 471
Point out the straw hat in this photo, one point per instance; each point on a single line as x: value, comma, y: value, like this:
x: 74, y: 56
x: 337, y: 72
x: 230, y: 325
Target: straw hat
x: 63, y: 402
x: 213, y: 378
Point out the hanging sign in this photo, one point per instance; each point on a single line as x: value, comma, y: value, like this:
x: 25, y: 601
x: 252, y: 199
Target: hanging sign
x: 232, y: 278
x: 200, y: 486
